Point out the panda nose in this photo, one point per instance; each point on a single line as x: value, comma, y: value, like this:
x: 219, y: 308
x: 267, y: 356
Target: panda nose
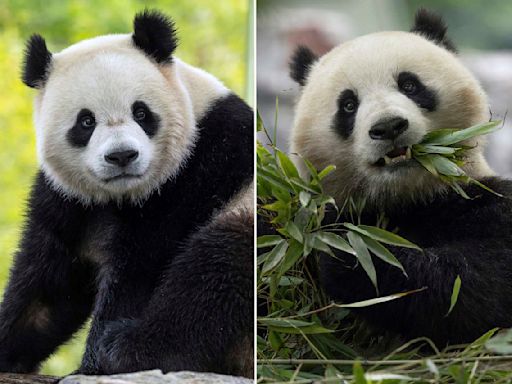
x: 389, y: 129
x: 122, y: 158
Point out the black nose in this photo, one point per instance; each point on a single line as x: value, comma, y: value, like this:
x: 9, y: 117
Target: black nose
x: 389, y: 129
x: 122, y: 158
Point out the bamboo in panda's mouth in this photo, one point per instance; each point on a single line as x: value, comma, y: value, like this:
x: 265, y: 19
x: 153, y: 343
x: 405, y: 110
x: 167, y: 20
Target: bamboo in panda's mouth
x: 395, y: 156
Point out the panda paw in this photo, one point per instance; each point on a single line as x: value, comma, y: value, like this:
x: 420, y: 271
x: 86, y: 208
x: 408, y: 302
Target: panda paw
x: 120, y: 348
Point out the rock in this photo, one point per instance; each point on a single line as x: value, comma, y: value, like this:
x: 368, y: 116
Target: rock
x: 157, y: 377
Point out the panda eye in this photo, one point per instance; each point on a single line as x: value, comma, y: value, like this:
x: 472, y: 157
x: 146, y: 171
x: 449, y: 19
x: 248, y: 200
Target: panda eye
x: 409, y: 87
x: 349, y: 106
x: 139, y: 114
x: 87, y: 121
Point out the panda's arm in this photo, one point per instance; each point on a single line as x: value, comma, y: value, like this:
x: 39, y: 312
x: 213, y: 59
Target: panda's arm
x: 484, y: 266
x: 49, y: 293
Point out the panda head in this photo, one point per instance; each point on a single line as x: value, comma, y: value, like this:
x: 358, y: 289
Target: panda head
x: 366, y: 102
x: 113, y: 120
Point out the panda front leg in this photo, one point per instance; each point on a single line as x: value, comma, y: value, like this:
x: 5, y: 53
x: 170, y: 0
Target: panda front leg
x: 50, y: 292
x: 484, y: 301
x: 121, y: 294
x: 201, y: 316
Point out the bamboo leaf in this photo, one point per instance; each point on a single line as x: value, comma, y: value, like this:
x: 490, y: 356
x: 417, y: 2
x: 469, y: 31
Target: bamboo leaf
x: 335, y: 241
x: 287, y: 281
x: 358, y: 372
x: 501, y: 343
x: 320, y: 245
x: 483, y: 186
x: 293, y: 254
x: 379, y: 300
x: 292, y: 326
x: 478, y: 343
x: 428, y: 148
x: 310, y: 188
x: 326, y: 171
x: 287, y: 165
x: 458, y: 189
x: 275, y: 256
x: 434, y: 137
x: 294, y: 231
x: 259, y: 122
x: 272, y: 179
x: 451, y: 136
x: 305, y: 198
x: 427, y: 163
x: 455, y: 294
x: 364, y: 257
x: 311, y: 168
x: 381, y: 235
x: 268, y: 240
x: 445, y: 166
x: 383, y: 253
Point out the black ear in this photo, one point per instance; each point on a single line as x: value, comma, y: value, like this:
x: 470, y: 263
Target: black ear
x: 431, y: 26
x: 155, y: 34
x: 300, y: 64
x: 36, y: 64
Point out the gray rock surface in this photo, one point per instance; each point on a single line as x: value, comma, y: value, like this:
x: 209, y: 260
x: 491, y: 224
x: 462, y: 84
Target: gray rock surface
x: 157, y: 377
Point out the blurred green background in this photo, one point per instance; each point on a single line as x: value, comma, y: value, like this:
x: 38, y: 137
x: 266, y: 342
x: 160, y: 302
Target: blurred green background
x: 214, y: 35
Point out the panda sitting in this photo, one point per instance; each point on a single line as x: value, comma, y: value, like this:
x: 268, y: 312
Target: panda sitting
x: 141, y: 214
x: 362, y: 106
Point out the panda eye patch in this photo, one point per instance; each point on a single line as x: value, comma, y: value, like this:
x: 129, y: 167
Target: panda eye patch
x: 411, y: 86
x: 81, y: 132
x: 344, y: 119
x: 145, y: 117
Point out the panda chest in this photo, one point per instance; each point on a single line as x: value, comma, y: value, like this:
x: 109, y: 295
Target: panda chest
x: 114, y: 238
x: 98, y: 240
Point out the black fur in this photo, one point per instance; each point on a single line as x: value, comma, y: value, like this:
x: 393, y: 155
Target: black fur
x: 431, y: 26
x: 155, y: 34
x: 343, y: 122
x: 423, y: 96
x: 78, y: 135
x: 214, y: 272
x: 147, y: 271
x: 37, y: 62
x: 45, y: 275
x: 151, y: 121
x: 300, y: 64
x: 470, y: 238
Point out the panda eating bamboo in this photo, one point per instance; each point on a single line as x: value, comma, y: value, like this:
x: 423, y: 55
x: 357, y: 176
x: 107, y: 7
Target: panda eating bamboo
x: 362, y: 106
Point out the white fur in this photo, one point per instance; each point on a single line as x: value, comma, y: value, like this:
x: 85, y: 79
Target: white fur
x: 203, y: 87
x: 242, y: 201
x: 369, y: 65
x: 107, y: 75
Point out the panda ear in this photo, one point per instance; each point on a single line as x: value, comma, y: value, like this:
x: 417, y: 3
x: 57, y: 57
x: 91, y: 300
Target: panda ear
x: 432, y: 27
x: 300, y: 64
x: 37, y: 61
x: 155, y: 34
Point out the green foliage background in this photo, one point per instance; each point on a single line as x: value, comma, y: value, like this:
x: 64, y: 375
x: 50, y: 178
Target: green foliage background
x: 214, y: 35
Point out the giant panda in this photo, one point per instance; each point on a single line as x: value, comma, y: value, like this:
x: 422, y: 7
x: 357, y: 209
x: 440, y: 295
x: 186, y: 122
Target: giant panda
x: 140, y: 215
x: 361, y: 107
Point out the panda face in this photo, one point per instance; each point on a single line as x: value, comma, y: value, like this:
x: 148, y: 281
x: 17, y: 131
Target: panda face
x: 369, y: 100
x: 111, y: 124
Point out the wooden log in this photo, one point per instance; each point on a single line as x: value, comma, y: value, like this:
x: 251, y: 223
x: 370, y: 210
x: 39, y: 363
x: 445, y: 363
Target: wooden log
x: 18, y: 378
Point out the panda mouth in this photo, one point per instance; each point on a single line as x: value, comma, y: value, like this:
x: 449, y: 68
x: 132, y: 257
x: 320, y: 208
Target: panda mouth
x: 395, y: 156
x: 122, y: 176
